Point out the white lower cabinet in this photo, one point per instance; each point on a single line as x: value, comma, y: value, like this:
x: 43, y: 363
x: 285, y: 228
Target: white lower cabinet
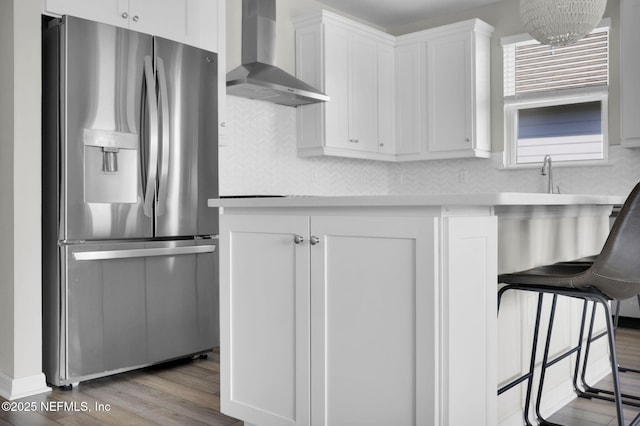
x: 264, y: 340
x: 372, y: 313
x: 356, y: 320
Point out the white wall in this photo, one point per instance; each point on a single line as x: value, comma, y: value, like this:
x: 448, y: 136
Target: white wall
x: 6, y: 188
x: 20, y: 234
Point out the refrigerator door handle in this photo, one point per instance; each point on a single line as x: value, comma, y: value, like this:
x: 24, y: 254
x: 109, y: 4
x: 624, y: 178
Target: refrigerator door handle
x: 152, y: 163
x: 165, y: 134
x: 147, y: 252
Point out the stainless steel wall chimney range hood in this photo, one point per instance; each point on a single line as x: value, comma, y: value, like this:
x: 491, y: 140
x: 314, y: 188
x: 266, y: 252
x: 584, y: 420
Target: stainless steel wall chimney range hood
x: 258, y: 77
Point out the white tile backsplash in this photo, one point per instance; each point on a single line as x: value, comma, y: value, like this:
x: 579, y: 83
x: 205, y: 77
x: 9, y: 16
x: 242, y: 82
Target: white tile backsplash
x: 259, y: 157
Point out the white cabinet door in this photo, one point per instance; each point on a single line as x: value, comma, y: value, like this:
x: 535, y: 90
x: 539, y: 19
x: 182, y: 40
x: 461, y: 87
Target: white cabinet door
x: 264, y: 318
x: 113, y: 12
x: 363, y: 93
x: 373, y: 307
x: 409, y: 104
x: 386, y: 99
x: 171, y: 19
x: 449, y: 93
x: 337, y: 86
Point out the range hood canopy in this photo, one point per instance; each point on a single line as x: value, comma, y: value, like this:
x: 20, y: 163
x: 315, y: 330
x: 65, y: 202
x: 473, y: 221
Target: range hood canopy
x: 258, y: 77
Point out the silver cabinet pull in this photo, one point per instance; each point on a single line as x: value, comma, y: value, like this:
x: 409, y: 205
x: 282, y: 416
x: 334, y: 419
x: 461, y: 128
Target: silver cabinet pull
x: 148, y: 252
x: 354, y: 140
x: 298, y: 239
x: 136, y: 18
x: 125, y: 15
x: 314, y: 240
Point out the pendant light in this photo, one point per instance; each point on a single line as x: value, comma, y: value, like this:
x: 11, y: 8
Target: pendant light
x: 560, y: 22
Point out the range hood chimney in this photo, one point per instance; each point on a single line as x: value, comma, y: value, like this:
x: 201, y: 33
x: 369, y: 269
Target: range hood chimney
x: 258, y: 77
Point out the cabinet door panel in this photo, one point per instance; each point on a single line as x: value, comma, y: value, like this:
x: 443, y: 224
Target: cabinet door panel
x: 372, y: 307
x: 449, y: 93
x: 409, y: 93
x: 264, y: 319
x: 105, y: 11
x: 386, y: 101
x: 172, y: 19
x: 363, y: 94
x: 337, y: 86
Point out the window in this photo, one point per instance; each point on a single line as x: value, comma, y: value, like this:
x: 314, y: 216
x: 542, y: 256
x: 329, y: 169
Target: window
x: 556, y: 100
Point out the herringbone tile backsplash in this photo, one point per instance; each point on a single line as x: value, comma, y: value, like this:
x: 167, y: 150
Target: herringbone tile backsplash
x: 258, y: 156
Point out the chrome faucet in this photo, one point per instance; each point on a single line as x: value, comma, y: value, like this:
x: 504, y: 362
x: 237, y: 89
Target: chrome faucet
x: 547, y: 170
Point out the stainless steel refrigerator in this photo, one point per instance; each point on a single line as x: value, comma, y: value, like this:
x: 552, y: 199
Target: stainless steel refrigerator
x: 130, y: 267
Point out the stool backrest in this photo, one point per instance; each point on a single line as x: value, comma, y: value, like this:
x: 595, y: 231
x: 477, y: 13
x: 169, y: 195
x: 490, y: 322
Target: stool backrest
x: 619, y: 259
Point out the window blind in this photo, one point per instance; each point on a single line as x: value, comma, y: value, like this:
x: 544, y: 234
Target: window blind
x: 532, y: 67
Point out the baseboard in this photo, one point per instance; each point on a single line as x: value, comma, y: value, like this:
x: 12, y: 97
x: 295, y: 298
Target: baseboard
x: 11, y: 388
x: 629, y: 322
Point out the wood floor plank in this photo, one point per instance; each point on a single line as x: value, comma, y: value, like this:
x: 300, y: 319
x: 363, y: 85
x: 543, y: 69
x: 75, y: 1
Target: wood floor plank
x: 593, y: 412
x: 185, y: 392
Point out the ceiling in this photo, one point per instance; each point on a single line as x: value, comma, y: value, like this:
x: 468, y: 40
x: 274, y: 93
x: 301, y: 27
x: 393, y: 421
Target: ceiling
x: 394, y: 13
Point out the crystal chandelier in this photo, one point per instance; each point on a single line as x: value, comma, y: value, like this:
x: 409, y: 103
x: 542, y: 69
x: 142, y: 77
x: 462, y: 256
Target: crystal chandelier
x: 560, y: 22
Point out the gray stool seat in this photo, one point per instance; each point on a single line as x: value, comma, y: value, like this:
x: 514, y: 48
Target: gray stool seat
x: 614, y: 274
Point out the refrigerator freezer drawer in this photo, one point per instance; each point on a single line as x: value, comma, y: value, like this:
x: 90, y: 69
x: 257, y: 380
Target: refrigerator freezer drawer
x: 126, y: 305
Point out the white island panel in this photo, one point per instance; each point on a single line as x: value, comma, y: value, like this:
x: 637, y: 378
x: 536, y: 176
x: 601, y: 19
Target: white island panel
x: 402, y: 295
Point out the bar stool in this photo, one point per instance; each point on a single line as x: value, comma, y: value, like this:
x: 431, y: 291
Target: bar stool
x: 613, y: 275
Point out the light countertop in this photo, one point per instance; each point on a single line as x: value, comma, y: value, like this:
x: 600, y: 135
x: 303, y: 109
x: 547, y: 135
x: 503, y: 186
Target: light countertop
x: 488, y: 199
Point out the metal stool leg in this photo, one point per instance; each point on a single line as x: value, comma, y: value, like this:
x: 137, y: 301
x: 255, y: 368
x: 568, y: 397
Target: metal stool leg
x: 528, y: 377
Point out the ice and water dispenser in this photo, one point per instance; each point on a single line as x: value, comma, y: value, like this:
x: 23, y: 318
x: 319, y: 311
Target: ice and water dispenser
x: 111, y: 167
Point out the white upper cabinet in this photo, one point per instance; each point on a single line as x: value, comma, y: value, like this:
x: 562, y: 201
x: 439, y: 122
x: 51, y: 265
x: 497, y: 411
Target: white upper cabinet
x: 173, y: 19
x: 443, y: 92
x: 420, y: 96
x: 353, y: 64
x: 458, y: 98
x: 629, y: 71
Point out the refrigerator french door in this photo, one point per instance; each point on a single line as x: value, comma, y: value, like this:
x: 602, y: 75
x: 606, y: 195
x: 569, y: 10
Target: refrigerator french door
x: 130, y: 274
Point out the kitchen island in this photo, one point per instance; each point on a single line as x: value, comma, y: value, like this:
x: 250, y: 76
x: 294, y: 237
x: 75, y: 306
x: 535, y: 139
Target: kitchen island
x: 379, y: 310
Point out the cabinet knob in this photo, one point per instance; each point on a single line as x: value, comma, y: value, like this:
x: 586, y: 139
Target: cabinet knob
x: 298, y: 239
x: 136, y: 18
x: 125, y: 15
x: 353, y: 140
x: 314, y: 240
x: 381, y: 143
x: 467, y: 140
x: 223, y: 124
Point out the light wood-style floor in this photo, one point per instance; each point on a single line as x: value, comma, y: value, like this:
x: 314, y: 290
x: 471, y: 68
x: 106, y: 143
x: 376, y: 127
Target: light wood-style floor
x: 180, y: 393
x: 188, y: 393
x: 592, y: 412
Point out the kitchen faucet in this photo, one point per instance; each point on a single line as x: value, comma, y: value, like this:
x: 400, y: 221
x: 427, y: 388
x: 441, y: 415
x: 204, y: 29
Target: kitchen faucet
x: 546, y: 169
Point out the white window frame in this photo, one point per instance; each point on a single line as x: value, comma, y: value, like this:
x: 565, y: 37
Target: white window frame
x: 513, y: 104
